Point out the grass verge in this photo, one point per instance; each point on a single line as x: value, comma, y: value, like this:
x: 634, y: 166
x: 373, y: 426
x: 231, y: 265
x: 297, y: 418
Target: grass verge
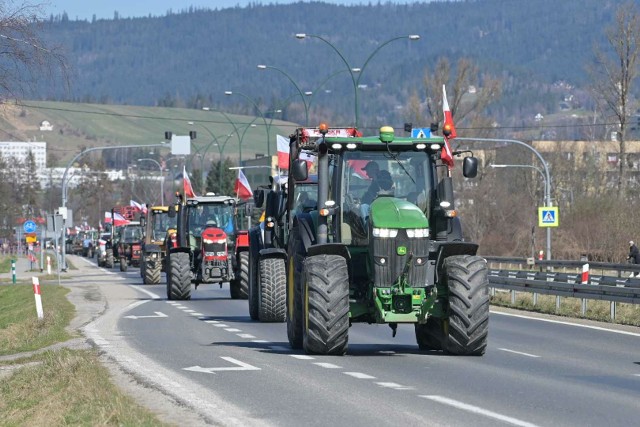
x: 67, y: 387
x: 5, y: 264
x: 20, y: 328
x: 626, y: 314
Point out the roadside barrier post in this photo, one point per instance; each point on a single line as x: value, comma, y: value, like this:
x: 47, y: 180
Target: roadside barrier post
x: 584, y: 280
x: 36, y: 292
x: 48, y: 264
x: 13, y: 270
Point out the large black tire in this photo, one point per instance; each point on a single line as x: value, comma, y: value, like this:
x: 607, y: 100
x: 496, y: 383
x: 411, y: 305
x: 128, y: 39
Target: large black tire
x: 123, y: 264
x: 179, y: 277
x: 325, y: 305
x: 467, y: 279
x: 239, y: 287
x: 254, y: 293
x: 296, y: 254
x: 272, y: 282
x: 430, y: 335
x: 151, y: 272
x: 109, y: 261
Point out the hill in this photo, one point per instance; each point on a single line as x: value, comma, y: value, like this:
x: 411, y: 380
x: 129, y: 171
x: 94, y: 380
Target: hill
x: 77, y: 126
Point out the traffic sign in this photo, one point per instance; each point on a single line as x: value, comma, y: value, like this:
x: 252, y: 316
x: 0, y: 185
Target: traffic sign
x: 31, y: 239
x: 29, y: 226
x: 421, y: 133
x: 548, y: 217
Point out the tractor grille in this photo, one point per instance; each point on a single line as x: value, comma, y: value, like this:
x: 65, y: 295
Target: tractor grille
x: 215, y: 249
x: 388, y: 271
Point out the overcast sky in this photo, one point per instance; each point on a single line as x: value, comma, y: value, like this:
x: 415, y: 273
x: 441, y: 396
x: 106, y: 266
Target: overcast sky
x: 104, y: 9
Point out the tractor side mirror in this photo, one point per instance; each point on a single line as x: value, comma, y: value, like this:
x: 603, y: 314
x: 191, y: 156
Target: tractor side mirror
x: 258, y: 198
x: 299, y: 170
x: 470, y: 167
x: 143, y: 221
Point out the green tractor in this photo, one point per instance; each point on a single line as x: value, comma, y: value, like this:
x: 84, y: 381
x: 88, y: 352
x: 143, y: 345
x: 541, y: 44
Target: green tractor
x: 384, y: 245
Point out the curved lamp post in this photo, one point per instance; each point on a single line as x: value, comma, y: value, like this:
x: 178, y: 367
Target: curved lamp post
x: 302, y: 94
x: 267, y: 126
x: 353, y: 71
x: 161, y: 177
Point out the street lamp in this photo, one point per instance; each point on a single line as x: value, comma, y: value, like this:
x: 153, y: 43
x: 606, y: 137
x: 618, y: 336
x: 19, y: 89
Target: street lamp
x: 302, y: 94
x: 352, y: 70
x: 229, y: 93
x: 161, y: 177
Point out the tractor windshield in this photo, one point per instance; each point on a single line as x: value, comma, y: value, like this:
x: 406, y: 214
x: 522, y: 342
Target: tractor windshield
x: 204, y: 215
x: 368, y: 175
x: 131, y: 234
x: 162, y: 223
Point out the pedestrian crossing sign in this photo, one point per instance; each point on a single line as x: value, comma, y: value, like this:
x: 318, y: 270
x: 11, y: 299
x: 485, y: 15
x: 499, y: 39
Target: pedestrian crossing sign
x: 548, y: 217
x: 421, y: 133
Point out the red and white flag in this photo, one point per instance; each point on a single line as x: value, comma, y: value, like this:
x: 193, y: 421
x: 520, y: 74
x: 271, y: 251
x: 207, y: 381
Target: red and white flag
x: 119, y: 220
x: 107, y: 218
x: 283, y: 151
x: 447, y: 155
x: 242, y: 187
x: 138, y: 206
x: 188, y: 188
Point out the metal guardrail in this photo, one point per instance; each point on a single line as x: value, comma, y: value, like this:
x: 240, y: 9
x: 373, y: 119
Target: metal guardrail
x: 561, y: 284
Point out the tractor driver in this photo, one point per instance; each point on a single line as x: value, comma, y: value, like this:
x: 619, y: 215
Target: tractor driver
x: 380, y: 182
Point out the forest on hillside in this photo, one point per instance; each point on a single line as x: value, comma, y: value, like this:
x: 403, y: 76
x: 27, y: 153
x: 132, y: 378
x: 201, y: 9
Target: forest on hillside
x: 189, y: 59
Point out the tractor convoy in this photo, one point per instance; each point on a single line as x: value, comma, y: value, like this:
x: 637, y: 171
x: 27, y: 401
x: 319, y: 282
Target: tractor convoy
x: 371, y: 236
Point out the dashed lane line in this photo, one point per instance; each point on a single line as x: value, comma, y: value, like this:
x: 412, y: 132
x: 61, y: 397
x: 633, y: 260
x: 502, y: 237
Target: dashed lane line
x: 394, y: 386
x: 360, y: 375
x: 302, y: 357
x: 221, y: 325
x: 246, y: 336
x: 519, y: 352
x: 477, y: 410
x: 261, y: 341
x: 327, y: 365
x: 232, y: 330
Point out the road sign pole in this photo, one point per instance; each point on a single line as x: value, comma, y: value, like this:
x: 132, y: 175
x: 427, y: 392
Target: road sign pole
x: 13, y: 270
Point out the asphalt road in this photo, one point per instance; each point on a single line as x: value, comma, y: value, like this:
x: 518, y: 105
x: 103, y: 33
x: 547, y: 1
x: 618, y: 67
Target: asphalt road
x: 209, y: 355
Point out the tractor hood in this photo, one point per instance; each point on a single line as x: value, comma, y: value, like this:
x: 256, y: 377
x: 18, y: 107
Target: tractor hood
x: 390, y: 212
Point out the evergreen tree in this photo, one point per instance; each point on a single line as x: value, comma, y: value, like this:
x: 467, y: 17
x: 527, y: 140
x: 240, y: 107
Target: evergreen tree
x: 221, y: 179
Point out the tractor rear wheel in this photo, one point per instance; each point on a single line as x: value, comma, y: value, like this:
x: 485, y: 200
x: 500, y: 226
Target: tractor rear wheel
x: 109, y: 261
x: 430, y: 335
x: 123, y: 264
x: 239, y: 287
x: 272, y: 282
x: 151, y: 272
x: 179, y: 277
x: 326, y: 305
x: 467, y: 279
x: 254, y: 293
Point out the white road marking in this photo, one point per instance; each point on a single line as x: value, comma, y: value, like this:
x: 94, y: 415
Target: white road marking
x: 327, y: 365
x: 359, y: 375
x: 261, y: 341
x: 395, y: 386
x: 387, y: 352
x: 233, y: 330
x: 478, y: 410
x: 180, y: 306
x: 302, y: 356
x: 197, y: 314
x: 144, y: 291
x: 189, y: 311
x: 279, y: 348
x: 560, y: 322
x: 221, y: 325
x: 212, y: 321
x: 518, y: 352
x: 172, y: 302
x: 241, y: 366
x: 158, y: 315
x: 136, y: 304
x: 247, y: 336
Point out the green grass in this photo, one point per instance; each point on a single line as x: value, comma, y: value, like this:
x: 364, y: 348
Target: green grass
x: 20, y: 328
x: 77, y: 125
x: 67, y: 387
x: 5, y: 264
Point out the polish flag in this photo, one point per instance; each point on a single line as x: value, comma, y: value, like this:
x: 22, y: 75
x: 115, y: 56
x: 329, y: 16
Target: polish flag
x: 119, y: 220
x: 242, y: 187
x: 283, y: 152
x: 138, y: 206
x: 447, y: 156
x: 107, y: 218
x: 186, y: 182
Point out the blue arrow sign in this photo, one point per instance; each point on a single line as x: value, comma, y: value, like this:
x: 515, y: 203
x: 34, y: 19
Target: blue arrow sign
x: 29, y: 227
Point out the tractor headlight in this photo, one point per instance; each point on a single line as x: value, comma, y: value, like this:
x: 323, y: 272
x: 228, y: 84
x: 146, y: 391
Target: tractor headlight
x: 207, y: 241
x: 417, y: 232
x: 385, y: 232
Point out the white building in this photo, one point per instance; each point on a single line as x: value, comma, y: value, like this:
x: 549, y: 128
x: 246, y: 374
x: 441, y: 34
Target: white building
x: 20, y: 150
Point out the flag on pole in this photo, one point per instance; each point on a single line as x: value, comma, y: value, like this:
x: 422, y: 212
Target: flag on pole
x: 187, y: 187
x: 242, y: 187
x: 447, y: 127
x: 107, y: 218
x: 138, y: 206
x: 119, y: 220
x: 283, y: 152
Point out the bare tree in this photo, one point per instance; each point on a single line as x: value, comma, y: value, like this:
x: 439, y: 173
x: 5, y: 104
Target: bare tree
x: 24, y: 56
x: 613, y: 75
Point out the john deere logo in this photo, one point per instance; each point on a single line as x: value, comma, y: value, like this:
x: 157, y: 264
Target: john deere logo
x: 402, y: 250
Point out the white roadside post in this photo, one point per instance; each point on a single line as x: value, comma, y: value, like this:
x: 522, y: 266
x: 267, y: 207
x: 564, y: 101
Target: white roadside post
x: 36, y: 292
x: 48, y: 264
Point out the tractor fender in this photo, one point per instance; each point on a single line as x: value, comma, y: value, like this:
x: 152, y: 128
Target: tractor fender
x: 330, y: 249
x: 272, y: 253
x: 455, y: 233
x: 242, y: 240
x: 306, y: 228
x: 447, y: 249
x: 255, y: 241
x: 180, y: 250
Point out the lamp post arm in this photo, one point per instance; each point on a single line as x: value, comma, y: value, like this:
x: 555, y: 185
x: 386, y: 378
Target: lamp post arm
x: 375, y: 52
x: 267, y: 126
x: 325, y: 82
x: 304, y: 101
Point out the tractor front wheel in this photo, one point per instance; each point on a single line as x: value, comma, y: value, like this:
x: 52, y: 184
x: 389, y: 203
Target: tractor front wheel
x: 123, y: 264
x: 109, y: 261
x: 272, y: 283
x: 254, y: 292
x: 430, y: 335
x: 239, y: 287
x: 179, y: 277
x: 151, y: 272
x: 325, y: 305
x: 468, y: 327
